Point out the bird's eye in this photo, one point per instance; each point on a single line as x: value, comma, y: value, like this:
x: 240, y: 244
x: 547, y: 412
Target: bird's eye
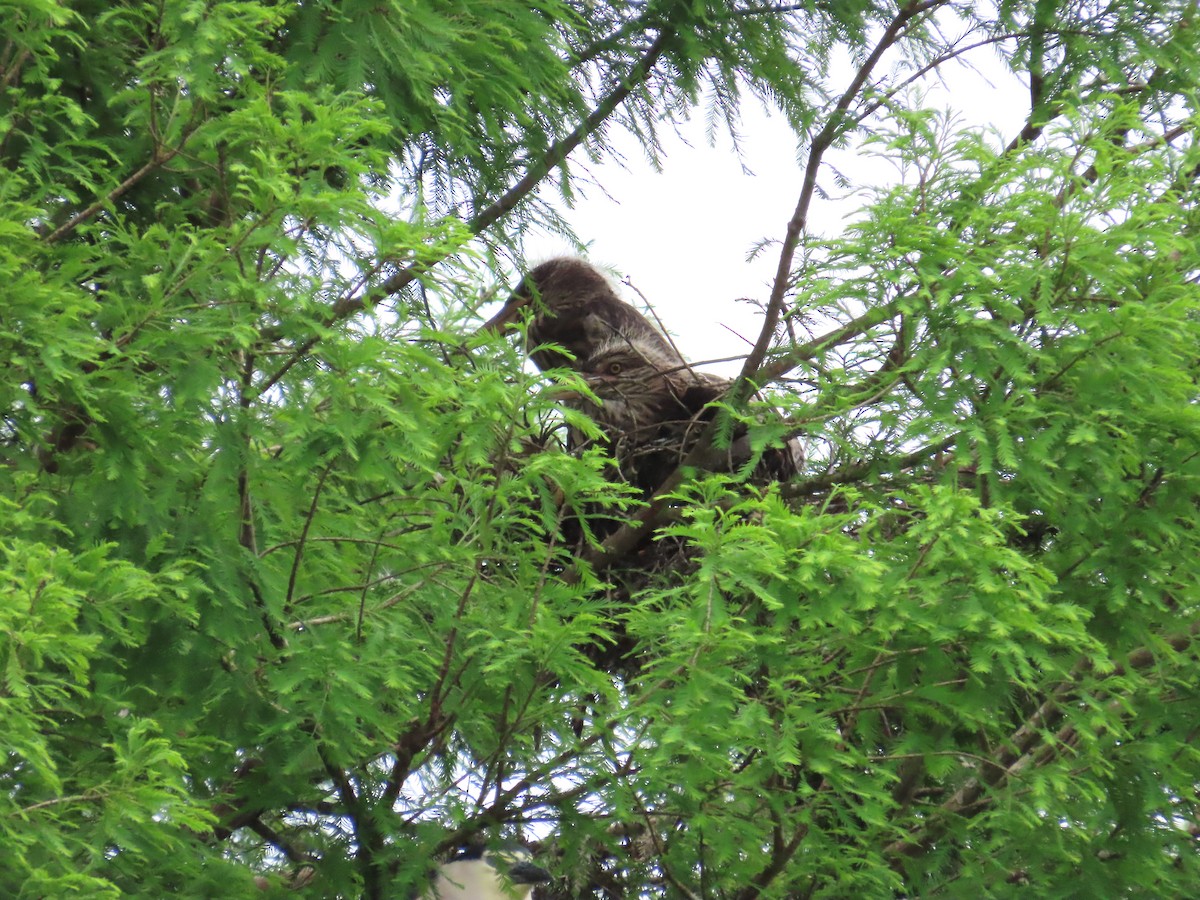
x: 614, y: 368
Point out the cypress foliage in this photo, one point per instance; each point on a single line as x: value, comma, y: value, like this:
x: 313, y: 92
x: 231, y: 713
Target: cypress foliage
x: 284, y: 604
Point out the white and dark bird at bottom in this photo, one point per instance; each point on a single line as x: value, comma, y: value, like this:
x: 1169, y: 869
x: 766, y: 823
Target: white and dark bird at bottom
x: 476, y: 873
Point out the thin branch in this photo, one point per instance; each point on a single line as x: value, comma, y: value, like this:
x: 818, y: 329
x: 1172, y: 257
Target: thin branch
x: 15, y: 69
x: 798, y: 223
x: 1019, y: 752
x: 276, y: 840
x: 89, y: 797
x: 159, y: 159
x: 299, y: 555
x: 559, y: 151
x: 554, y: 156
x: 924, y: 70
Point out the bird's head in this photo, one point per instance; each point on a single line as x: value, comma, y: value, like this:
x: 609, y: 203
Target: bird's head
x: 571, y: 304
x: 515, y: 864
x: 636, y: 383
x: 558, y: 287
x: 502, y: 871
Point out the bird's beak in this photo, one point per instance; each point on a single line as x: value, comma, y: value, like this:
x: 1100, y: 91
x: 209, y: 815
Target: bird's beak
x: 528, y: 873
x: 508, y: 314
x: 562, y: 395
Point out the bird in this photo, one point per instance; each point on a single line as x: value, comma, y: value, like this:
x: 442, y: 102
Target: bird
x: 575, y: 308
x: 653, y: 404
x: 477, y: 873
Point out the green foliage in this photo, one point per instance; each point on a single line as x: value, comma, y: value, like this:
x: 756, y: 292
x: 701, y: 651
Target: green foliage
x: 299, y: 589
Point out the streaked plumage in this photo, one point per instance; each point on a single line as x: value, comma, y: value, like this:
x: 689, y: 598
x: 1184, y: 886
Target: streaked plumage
x: 654, y: 406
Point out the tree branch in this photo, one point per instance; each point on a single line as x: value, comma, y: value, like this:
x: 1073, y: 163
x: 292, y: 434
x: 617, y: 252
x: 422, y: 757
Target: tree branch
x: 750, y: 375
x: 157, y: 160
x: 1019, y: 753
x: 554, y: 155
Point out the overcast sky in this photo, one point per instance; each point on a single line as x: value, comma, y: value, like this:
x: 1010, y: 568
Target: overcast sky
x: 683, y: 235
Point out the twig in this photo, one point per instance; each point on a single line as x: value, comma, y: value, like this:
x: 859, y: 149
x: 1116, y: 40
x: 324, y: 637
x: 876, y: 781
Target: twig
x: 79, y: 218
x: 299, y: 555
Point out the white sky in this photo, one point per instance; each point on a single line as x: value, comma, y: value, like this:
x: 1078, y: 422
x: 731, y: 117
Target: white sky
x: 683, y: 235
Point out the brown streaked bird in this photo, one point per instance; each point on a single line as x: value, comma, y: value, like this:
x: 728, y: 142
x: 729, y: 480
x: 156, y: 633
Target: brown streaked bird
x: 576, y: 309
x: 653, y: 406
